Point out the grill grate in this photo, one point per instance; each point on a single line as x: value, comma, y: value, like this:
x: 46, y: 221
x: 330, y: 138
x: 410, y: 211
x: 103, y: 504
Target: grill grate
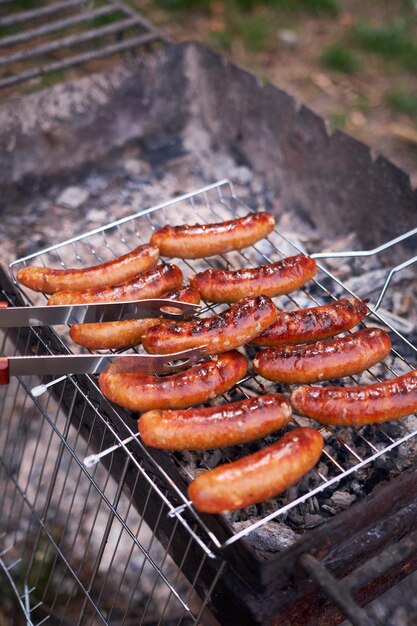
x: 346, y: 451
x: 72, y: 544
x: 61, y: 35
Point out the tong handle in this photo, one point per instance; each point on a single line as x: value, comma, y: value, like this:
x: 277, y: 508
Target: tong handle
x: 4, y: 371
x: 365, y: 253
x: 4, y: 361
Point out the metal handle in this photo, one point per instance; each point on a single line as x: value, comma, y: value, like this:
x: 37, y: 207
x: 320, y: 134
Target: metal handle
x: 4, y: 371
x: 364, y: 253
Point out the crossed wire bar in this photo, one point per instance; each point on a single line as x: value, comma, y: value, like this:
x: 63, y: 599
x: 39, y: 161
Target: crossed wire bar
x: 38, y: 513
x: 214, y: 203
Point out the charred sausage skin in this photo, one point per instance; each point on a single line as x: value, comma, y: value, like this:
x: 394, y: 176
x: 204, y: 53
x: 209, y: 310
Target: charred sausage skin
x: 143, y: 392
x: 259, y: 476
x: 313, y: 324
x: 215, y: 427
x: 150, y: 284
x: 108, y: 274
x: 323, y: 360
x: 204, y: 240
x: 356, y: 406
x: 271, y: 280
x: 120, y: 335
x: 225, y: 331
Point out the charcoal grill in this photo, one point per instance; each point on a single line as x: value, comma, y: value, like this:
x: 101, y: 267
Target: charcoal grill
x: 112, y: 503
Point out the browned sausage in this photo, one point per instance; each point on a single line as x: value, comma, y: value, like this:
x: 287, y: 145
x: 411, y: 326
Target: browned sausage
x: 143, y: 392
x: 126, y: 333
x: 259, y: 476
x: 202, y: 240
x: 105, y: 275
x: 323, y: 360
x: 270, y: 280
x: 355, y: 406
x: 215, y: 427
x: 314, y: 324
x: 150, y: 284
x: 219, y: 333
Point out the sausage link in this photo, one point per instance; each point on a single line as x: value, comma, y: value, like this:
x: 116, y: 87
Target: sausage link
x: 143, y: 392
x: 202, y: 240
x: 259, y: 476
x: 150, y: 284
x: 108, y: 274
x: 120, y: 335
x: 215, y: 427
x: 355, y: 406
x: 323, y: 360
x: 270, y: 280
x: 314, y: 324
x: 225, y: 331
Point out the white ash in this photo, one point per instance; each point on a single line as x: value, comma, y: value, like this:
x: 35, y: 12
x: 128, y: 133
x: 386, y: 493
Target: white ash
x: 73, y: 197
x: 272, y: 537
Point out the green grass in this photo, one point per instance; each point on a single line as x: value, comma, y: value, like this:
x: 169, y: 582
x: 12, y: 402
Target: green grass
x: 338, y: 119
x: 393, y: 40
x: 339, y: 58
x: 402, y: 101
x: 254, y: 32
x: 47, y: 80
x: 109, y: 18
x: 221, y: 39
x: 316, y: 7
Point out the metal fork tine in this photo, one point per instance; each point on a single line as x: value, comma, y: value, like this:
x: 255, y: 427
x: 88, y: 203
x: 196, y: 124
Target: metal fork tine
x: 158, y: 363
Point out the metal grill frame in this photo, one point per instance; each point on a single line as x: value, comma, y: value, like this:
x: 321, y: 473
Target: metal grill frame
x: 144, y: 35
x: 67, y: 415
x: 212, y: 199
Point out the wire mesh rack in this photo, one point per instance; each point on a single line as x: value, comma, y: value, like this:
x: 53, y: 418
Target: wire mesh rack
x: 56, y: 36
x: 156, y: 481
x: 74, y: 545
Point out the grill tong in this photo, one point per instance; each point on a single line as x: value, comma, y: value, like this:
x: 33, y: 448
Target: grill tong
x: 15, y: 317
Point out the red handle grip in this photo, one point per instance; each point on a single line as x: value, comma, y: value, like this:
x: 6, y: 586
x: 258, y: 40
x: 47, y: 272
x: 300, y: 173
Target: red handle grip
x: 4, y: 371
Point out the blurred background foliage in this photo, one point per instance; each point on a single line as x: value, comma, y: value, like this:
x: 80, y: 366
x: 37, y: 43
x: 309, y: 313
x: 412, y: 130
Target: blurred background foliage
x: 352, y: 61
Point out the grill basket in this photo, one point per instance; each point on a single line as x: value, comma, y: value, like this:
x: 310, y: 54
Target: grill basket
x: 120, y: 542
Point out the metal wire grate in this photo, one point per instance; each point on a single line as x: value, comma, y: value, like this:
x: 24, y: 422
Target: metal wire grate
x: 57, y: 36
x: 347, y: 451
x: 73, y: 546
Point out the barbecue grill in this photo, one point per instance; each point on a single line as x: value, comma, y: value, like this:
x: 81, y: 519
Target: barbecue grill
x: 87, y: 528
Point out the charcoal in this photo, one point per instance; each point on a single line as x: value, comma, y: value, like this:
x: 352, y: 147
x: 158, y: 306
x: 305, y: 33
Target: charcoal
x: 272, y: 537
x: 342, y: 499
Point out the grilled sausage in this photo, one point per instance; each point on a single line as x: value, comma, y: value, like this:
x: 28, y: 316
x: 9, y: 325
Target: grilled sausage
x: 143, y: 392
x: 215, y: 427
x: 323, y: 360
x: 259, y: 476
x: 202, y: 240
x: 150, y: 284
x: 120, y: 335
x: 355, y: 406
x: 314, y: 324
x: 107, y: 274
x: 270, y: 280
x: 225, y: 331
